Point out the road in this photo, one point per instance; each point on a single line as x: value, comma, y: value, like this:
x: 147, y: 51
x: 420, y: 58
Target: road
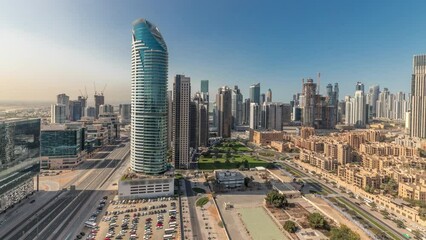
x: 192, y: 198
x: 378, y: 222
x: 50, y: 220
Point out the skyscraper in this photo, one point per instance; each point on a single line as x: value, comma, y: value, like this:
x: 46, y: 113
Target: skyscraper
x: 202, y: 120
x: 58, y: 113
x: 246, y: 111
x: 224, y: 112
x: 106, y: 108
x: 269, y: 95
x: 372, y: 97
x: 237, y: 105
x: 308, y: 103
x: 64, y: 100
x: 255, y: 93
x: 254, y: 115
x: 148, y: 99
x: 83, y: 102
x: 418, y: 98
x: 99, y: 100
x: 125, y: 113
x: 205, y: 86
x: 75, y: 110
x: 169, y: 119
x: 181, y: 118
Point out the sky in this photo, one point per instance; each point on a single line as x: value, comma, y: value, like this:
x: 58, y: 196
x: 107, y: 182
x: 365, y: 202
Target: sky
x: 49, y: 47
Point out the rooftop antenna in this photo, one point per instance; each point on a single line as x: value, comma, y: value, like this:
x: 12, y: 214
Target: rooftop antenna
x: 94, y: 86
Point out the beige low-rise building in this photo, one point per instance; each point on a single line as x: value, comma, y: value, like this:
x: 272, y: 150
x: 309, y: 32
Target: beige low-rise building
x: 412, y: 191
x: 280, y: 146
x: 264, y: 138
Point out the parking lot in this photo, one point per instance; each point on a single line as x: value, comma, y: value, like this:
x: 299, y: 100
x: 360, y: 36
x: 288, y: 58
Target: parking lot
x: 155, y: 219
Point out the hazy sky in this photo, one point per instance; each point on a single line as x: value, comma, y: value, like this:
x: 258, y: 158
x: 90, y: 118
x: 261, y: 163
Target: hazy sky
x: 50, y: 47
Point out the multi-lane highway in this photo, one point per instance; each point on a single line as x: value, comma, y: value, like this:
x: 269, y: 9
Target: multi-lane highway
x: 192, y: 198
x: 391, y: 232
x: 51, y: 220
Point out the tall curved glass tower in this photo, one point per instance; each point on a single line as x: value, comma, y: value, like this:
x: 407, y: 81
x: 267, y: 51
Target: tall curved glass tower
x: 149, y: 99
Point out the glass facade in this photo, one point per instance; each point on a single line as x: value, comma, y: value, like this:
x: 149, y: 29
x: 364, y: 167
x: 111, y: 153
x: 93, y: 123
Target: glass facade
x: 255, y: 93
x: 205, y: 86
x: 19, y: 151
x: 67, y: 142
x: 149, y: 99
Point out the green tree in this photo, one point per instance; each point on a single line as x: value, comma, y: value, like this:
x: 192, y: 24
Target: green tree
x: 400, y: 223
x: 241, y: 167
x: 343, y: 232
x: 290, y: 226
x: 417, y: 234
x: 247, y: 181
x: 276, y: 199
x: 317, y: 221
x: 270, y: 166
x: 246, y: 163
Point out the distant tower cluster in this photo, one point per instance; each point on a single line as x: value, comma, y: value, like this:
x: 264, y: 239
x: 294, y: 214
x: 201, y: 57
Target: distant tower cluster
x: 316, y: 110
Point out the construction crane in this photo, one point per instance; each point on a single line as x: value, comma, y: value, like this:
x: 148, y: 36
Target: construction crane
x: 94, y: 86
x: 103, y: 90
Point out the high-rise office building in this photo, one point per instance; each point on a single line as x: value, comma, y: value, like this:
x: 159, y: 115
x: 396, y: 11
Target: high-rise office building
x: 181, y: 121
x: 64, y: 100
x: 359, y: 109
x: 262, y: 99
x: 254, y: 115
x: 255, y: 93
x: 237, y: 107
x: 61, y: 146
x: 372, y: 97
x: 418, y: 97
x: 169, y: 119
x: 224, y: 112
x: 269, y: 95
x: 90, y: 112
x: 202, y: 121
x: 148, y: 153
x: 75, y: 110
x: 99, y: 100
x: 272, y: 115
x: 83, y: 102
x: 19, y: 159
x: 308, y: 103
x: 246, y: 112
x: 205, y: 86
x: 106, y: 108
x: 359, y: 87
x: 58, y: 113
x: 125, y: 113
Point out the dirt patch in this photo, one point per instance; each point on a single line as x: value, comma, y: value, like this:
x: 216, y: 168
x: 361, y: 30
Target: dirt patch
x: 278, y: 214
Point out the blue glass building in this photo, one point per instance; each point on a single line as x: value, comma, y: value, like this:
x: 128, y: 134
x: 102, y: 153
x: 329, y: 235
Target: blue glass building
x: 19, y: 159
x: 148, y: 99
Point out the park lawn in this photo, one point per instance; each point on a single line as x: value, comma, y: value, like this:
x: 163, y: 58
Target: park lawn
x: 209, y: 163
x: 226, y: 146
